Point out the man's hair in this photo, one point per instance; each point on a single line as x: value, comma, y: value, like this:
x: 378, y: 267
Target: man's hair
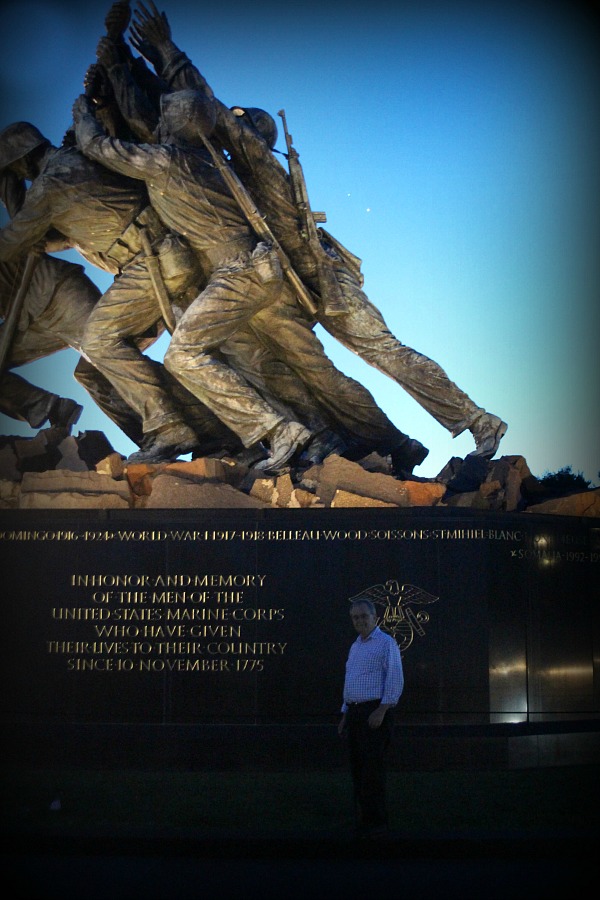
x: 364, y: 601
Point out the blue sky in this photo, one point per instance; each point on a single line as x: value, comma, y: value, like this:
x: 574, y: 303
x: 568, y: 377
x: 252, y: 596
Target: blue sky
x: 455, y: 148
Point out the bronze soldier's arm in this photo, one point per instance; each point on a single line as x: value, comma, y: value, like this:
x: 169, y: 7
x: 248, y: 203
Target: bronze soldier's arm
x: 140, y: 161
x: 151, y: 36
x: 139, y: 111
x: 12, y: 194
x: 27, y: 229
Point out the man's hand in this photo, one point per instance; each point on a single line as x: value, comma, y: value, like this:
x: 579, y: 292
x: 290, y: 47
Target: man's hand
x: 342, y: 725
x: 377, y: 716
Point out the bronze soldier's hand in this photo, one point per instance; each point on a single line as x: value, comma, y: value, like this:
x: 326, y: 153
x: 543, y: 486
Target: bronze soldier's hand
x: 117, y: 19
x: 55, y: 241
x: 147, y: 50
x: 150, y: 25
x: 107, y: 52
x: 97, y: 86
x: 149, y: 33
x: 39, y: 247
x: 81, y: 107
x: 91, y: 79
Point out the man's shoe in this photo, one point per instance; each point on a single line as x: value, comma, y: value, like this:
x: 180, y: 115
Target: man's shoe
x: 488, y: 431
x: 64, y: 412
x: 285, y: 440
x: 166, y: 445
x: 322, y: 446
x: 407, y: 455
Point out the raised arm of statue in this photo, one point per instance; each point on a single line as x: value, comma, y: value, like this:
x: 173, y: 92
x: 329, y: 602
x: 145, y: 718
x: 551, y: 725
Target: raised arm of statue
x: 117, y: 19
x: 28, y: 227
x: 12, y: 194
x: 150, y: 34
x: 134, y: 92
x: 134, y: 160
x: 128, y: 97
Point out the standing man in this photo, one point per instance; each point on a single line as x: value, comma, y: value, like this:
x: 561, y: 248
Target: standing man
x: 372, y: 687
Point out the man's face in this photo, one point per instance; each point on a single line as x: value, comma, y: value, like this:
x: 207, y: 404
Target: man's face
x: 363, y: 619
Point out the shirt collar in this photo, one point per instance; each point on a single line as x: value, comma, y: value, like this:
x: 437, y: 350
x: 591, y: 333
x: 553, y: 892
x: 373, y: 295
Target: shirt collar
x: 361, y: 640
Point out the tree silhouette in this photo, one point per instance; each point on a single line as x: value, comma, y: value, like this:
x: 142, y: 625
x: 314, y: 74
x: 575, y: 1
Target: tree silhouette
x: 564, y: 481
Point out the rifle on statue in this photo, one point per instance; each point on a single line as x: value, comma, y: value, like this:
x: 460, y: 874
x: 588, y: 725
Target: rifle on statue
x: 160, y: 289
x: 331, y: 295
x: 258, y: 223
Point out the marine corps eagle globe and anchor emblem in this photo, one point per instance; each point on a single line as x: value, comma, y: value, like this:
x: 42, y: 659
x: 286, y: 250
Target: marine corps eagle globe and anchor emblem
x: 396, y: 604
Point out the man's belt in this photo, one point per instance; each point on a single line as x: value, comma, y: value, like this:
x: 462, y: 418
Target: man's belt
x: 361, y: 702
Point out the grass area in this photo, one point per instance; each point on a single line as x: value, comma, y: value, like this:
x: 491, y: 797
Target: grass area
x: 558, y: 800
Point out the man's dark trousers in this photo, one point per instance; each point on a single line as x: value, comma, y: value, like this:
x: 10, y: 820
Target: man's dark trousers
x: 368, y: 750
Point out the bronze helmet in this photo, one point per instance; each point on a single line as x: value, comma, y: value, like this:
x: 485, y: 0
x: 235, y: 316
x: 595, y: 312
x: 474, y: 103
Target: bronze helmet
x: 187, y: 112
x: 261, y: 120
x: 17, y: 140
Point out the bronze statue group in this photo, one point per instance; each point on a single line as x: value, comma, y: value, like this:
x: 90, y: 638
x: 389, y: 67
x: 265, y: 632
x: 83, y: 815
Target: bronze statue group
x: 208, y: 236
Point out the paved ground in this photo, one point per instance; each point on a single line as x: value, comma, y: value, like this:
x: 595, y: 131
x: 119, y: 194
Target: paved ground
x: 473, y: 836
x: 475, y: 868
